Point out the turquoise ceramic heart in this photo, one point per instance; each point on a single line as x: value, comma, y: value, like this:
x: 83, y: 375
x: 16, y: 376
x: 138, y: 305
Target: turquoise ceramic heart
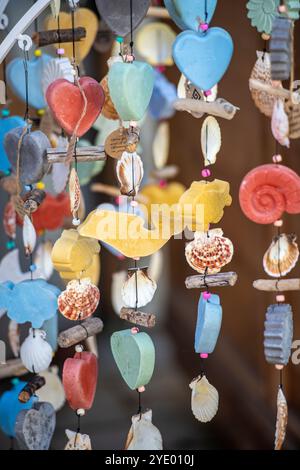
x: 134, y: 355
x: 6, y: 125
x: 203, y: 58
x: 187, y: 13
x: 130, y: 87
x: 16, y: 79
x: 208, y: 324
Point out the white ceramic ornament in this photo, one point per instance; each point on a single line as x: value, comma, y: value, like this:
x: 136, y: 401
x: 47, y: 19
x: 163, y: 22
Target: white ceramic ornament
x: 36, y: 354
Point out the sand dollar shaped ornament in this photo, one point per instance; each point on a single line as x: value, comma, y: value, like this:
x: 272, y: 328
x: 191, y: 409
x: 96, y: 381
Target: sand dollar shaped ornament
x: 34, y: 428
x: 117, y: 14
x: 134, y: 355
x: 203, y: 59
x: 188, y: 14
x: 80, y: 374
x: 6, y: 125
x: 209, y: 322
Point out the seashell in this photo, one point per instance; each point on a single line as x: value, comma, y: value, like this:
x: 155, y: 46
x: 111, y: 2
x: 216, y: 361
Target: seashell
x: 154, y: 42
x: 55, y: 7
x: 118, y: 280
x: 79, y: 300
x: 210, y: 140
x: 161, y: 144
x: 140, y: 281
x: 205, y: 399
x: 293, y: 112
x: 14, y: 337
x: 130, y: 173
x: 77, y: 441
x: 209, y: 251
x: 282, y: 255
x: 281, y: 420
x: 10, y: 219
x: 262, y: 72
x: 181, y: 91
x: 280, y: 124
x: 53, y: 390
x: 156, y: 263
x: 36, y: 354
x: 29, y: 235
x: 43, y: 261
x: 74, y: 191
x: 57, y: 68
x: 143, y: 435
x: 108, y: 109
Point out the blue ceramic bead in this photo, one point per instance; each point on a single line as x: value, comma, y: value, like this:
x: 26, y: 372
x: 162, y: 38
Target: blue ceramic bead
x: 186, y: 13
x: 208, y: 324
x: 32, y: 267
x: 6, y: 125
x: 163, y: 96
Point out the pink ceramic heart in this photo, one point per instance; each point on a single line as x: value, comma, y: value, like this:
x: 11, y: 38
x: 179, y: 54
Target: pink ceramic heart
x: 66, y: 103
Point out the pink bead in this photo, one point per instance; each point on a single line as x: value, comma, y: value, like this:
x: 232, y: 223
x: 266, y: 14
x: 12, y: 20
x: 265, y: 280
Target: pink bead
x: 134, y: 330
x: 282, y: 9
x: 206, y: 295
x: 129, y: 58
x: 134, y: 203
x: 207, y: 93
x: 60, y: 51
x: 280, y: 298
x: 162, y: 183
x: 204, y: 26
x: 121, y: 257
x: 118, y: 200
x: 205, y: 173
x: 133, y: 124
x: 278, y: 223
x: 204, y: 355
x: 141, y: 389
x: 137, y: 258
x: 277, y: 158
x: 279, y: 366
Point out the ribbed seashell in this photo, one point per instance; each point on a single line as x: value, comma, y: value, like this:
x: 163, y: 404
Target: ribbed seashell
x: 156, y: 264
x: 108, y: 109
x: 130, y: 172
x: 205, y: 399
x: 36, y: 354
x: 118, y: 280
x: 77, y: 441
x: 262, y: 72
x: 209, y: 250
x: 29, y: 235
x: 79, y: 300
x: 143, y: 435
x: 281, y: 420
x: 138, y: 290
x: 10, y: 219
x: 280, y: 124
x: 74, y: 191
x: 210, y: 140
x: 57, y: 68
x: 14, y: 337
x: 282, y: 255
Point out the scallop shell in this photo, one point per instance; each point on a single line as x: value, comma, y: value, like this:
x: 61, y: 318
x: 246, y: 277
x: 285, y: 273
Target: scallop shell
x: 10, y: 219
x: 262, y: 72
x: 118, y: 280
x: 282, y: 255
x: 145, y: 286
x: 78, y: 441
x: 281, y: 420
x: 280, y: 124
x: 53, y: 390
x: 161, y: 145
x: 29, y: 235
x: 79, y: 300
x: 74, y: 191
x: 43, y: 261
x: 154, y: 43
x: 205, y: 399
x: 36, y: 354
x: 210, y: 140
x: 130, y: 173
x: 108, y: 109
x: 55, y: 69
x: 14, y: 337
x: 143, y: 435
x: 209, y: 251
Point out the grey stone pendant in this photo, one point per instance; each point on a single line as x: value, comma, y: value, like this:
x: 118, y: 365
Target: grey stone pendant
x: 278, y: 334
x: 34, y: 428
x: 116, y: 14
x: 33, y: 154
x: 280, y: 48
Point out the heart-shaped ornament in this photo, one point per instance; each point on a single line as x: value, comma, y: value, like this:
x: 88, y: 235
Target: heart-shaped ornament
x: 6, y: 125
x: 83, y: 17
x: 67, y: 104
x: 33, y: 154
x: 116, y: 14
x: 130, y: 87
x: 203, y: 58
x: 16, y: 79
x: 34, y: 428
x: 188, y: 14
x: 134, y: 355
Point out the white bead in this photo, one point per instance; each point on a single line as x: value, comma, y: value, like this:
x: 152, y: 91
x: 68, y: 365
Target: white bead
x: 79, y: 348
x: 76, y: 222
x: 80, y: 412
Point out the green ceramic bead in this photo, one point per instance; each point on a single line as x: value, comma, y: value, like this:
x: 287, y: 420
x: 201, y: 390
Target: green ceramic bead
x: 293, y: 9
x: 262, y: 13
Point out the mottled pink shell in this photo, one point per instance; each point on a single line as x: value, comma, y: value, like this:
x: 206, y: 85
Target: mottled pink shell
x: 79, y: 300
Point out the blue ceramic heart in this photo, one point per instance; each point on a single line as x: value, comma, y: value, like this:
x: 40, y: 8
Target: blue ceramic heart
x: 203, y: 58
x: 187, y: 13
x: 6, y: 125
x: 209, y: 322
x: 16, y: 79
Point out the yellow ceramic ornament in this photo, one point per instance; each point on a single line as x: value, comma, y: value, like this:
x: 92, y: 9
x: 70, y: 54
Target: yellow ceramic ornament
x: 155, y: 194
x: 83, y: 17
x: 154, y: 43
x: 74, y: 256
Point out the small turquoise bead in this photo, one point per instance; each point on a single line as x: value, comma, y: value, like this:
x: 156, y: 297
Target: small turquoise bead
x: 10, y: 244
x: 32, y: 267
x: 119, y: 39
x: 7, y: 172
x: 28, y: 187
x: 15, y: 381
x: 5, y: 112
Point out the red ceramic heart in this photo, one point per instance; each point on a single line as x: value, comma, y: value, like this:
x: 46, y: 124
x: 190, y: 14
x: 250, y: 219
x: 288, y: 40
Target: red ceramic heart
x: 79, y: 376
x: 66, y: 103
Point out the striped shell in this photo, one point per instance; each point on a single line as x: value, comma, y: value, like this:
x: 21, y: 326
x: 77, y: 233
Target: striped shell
x: 282, y: 255
x: 79, y: 300
x: 74, y: 190
x: 9, y: 220
x: 209, y: 251
x: 108, y: 110
x: 262, y: 72
x: 130, y: 172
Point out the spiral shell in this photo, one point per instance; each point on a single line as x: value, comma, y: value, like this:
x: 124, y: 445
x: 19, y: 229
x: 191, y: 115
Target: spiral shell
x: 36, y: 354
x: 282, y: 255
x: 280, y: 124
x: 130, y: 172
x: 108, y: 109
x: 267, y: 191
x: 209, y: 251
x: 29, y: 235
x: 138, y: 290
x: 262, y: 72
x: 205, y: 399
x: 10, y: 219
x: 79, y: 300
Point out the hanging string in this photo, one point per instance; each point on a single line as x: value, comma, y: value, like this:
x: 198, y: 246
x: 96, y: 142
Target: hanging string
x: 205, y: 12
x: 4, y: 79
x: 281, y: 378
x: 73, y: 35
x: 25, y: 60
x: 78, y: 429
x: 131, y: 28
x: 58, y: 33
x: 136, y: 285
x: 12, y: 443
x: 139, y: 412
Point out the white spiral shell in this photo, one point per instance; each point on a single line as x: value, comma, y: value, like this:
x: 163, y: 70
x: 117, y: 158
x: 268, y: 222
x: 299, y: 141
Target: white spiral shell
x: 36, y: 354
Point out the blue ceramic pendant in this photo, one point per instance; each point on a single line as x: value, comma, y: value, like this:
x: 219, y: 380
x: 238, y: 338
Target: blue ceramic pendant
x: 6, y: 125
x: 208, y: 324
x: 16, y: 80
x: 10, y: 407
x: 187, y: 14
x: 163, y: 96
x: 203, y: 58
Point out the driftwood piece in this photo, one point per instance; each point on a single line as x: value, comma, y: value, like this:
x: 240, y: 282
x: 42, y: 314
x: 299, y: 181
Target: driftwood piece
x: 31, y: 387
x: 83, y: 154
x: 55, y: 36
x: 165, y: 173
x: 274, y: 91
x: 211, y: 280
x: 114, y: 191
x: 279, y: 285
x: 137, y: 317
x: 78, y: 333
x: 12, y: 368
x: 219, y: 108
